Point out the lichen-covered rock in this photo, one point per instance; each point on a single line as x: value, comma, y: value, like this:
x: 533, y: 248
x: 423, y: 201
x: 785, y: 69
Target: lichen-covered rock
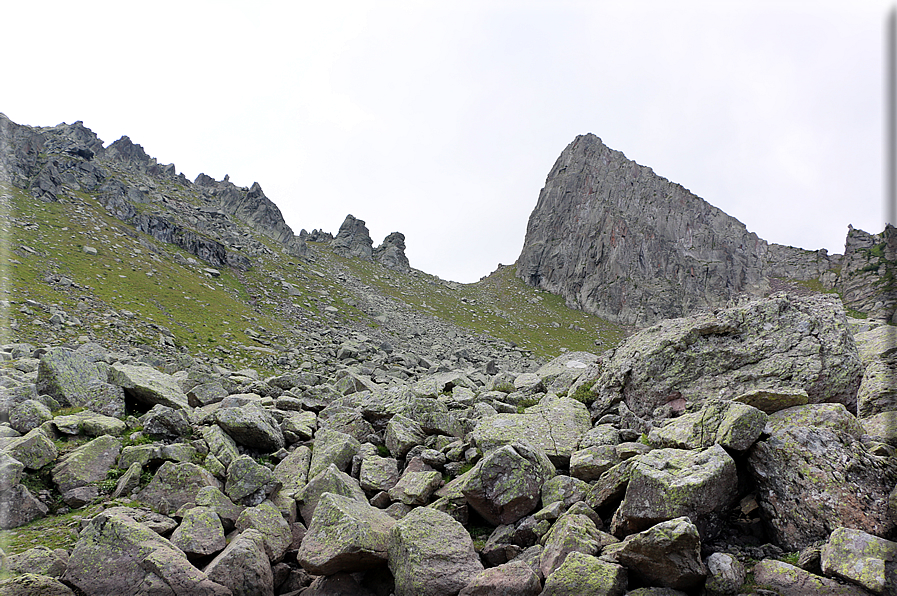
x: 882, y: 426
x: 18, y: 507
x: 378, y: 473
x: 89, y: 423
x: 292, y: 471
x: 251, y: 425
x: 148, y: 386
x: 563, y: 489
x: 116, y: 555
x: 226, y: 510
x: 30, y: 584
x: 332, y: 447
x: 590, y: 463
x: 725, y: 575
x: 200, y: 532
x: 11, y: 471
x: 506, y: 484
x: 221, y: 445
x: 247, y: 478
x: 174, y: 485
x: 782, y: 341
x: 345, y: 535
x: 584, y: 574
x: 571, y: 533
x: 878, y: 391
x: 403, y: 433
x: 831, y: 416
x: 876, y: 343
x: 40, y: 560
x: 330, y: 480
x: 166, y: 422
x: 515, y: 578
x: 28, y: 415
x: 811, y: 481
x: 243, y: 566
x: 667, y: 554
x: 861, y: 558
x: 431, y: 554
x: 775, y: 399
x: 733, y: 425
x: 275, y: 531
x: 668, y: 483
x: 794, y: 581
x: 416, y: 487
x: 34, y: 450
x: 554, y: 426
x: 87, y: 464
x: 73, y: 380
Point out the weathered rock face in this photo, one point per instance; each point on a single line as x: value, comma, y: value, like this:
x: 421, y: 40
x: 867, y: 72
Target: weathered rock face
x: 353, y: 239
x: 783, y: 341
x: 391, y: 253
x: 617, y: 240
x: 866, y: 280
x: 255, y: 209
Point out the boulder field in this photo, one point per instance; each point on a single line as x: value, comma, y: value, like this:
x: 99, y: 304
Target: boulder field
x: 745, y: 450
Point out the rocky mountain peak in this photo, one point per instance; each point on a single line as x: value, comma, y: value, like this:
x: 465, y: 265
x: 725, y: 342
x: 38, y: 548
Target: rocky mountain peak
x: 127, y: 151
x: 617, y: 240
x: 391, y: 253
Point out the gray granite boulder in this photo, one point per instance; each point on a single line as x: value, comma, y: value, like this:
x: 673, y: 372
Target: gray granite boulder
x: 725, y: 575
x: 555, y: 426
x: 28, y: 415
x: 116, y: 555
x: 34, y: 450
x: 251, y: 425
x: 248, y: 480
x: 812, y: 480
x: 148, y: 386
x: 878, y: 390
x: 89, y: 423
x: 330, y: 480
x: 790, y: 580
x: 174, y: 485
x: 862, y: 559
x: 292, y: 471
x: 733, y: 425
x: 667, y: 554
x: 30, y: 584
x: 243, y: 566
x: 515, y: 578
x: 781, y: 341
x: 40, y: 560
x: 403, y: 433
x: 87, y: 464
x: 345, y: 535
x: 74, y: 380
x: 267, y: 519
x: 200, y: 532
x: 431, y: 554
x: 19, y: 507
x: 571, y: 533
x: 332, y: 447
x: 668, y: 483
x: 163, y: 421
x: 585, y: 574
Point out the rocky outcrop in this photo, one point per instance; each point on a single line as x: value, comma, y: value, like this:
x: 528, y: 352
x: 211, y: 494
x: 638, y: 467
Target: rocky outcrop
x: 391, y: 254
x: 617, y: 240
x: 866, y: 280
x: 353, y: 239
x: 256, y: 210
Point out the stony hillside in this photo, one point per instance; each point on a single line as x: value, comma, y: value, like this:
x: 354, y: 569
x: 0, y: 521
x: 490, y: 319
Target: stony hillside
x: 194, y: 399
x: 615, y: 239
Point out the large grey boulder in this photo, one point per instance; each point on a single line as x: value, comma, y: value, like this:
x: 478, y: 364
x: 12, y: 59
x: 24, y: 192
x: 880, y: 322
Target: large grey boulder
x: 89, y: 423
x: 780, y: 342
x: 812, y: 480
x: 834, y: 417
x: 345, y: 535
x: 733, y: 425
x: 668, y: 483
x: 515, y: 578
x: 148, y: 385
x: 165, y: 422
x: 878, y: 390
x: 378, y: 473
x: 292, y: 471
x: 30, y: 584
x: 667, y: 554
x: 175, y: 485
x: 243, y: 567
x: 571, y: 533
x: 402, y: 434
x: 554, y: 426
x: 353, y: 239
x: 725, y: 575
x: 861, y: 558
x: 40, y: 560
x: 585, y: 574
x: 248, y: 480
x: 251, y: 425
x: 506, y: 484
x: 221, y: 445
x: 200, y: 532
x: 431, y: 554
x: 116, y: 555
x: 330, y: 480
x: 790, y: 580
x: 74, y: 380
x: 275, y: 531
x: 28, y: 415
x: 34, y: 450
x: 19, y: 507
x: 87, y: 464
x: 332, y: 448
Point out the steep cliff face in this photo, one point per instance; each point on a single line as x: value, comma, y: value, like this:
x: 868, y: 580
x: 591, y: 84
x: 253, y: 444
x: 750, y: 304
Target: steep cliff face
x: 866, y: 280
x: 617, y: 240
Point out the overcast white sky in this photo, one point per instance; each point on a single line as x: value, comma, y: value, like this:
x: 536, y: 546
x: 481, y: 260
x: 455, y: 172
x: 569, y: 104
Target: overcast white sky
x: 441, y: 120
